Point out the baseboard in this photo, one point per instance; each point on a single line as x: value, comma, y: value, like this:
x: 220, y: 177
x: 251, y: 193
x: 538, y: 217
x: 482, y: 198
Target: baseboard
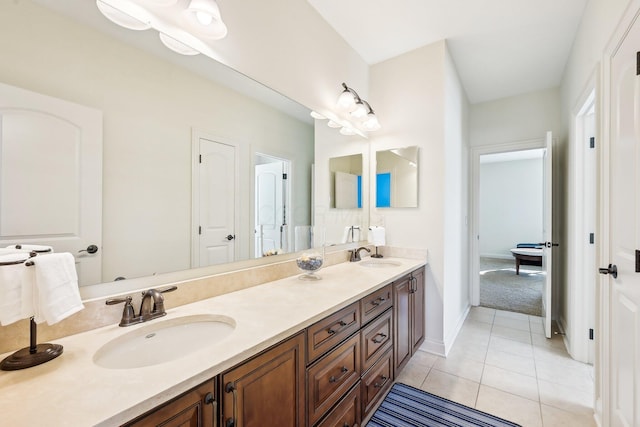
x: 434, y: 347
x: 498, y: 256
x: 450, y: 339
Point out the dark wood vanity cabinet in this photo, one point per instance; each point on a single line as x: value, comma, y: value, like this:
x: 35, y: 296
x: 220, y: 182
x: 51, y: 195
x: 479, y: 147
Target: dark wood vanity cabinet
x: 195, y: 408
x: 409, y: 317
x: 333, y: 373
x: 267, y: 390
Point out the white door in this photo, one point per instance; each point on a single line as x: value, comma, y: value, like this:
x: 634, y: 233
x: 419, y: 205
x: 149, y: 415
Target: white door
x: 51, y: 177
x: 269, y: 207
x: 547, y: 211
x: 624, y: 234
x: 215, y: 204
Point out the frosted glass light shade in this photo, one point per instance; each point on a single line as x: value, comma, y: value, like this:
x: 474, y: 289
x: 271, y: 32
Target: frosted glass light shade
x: 121, y: 18
x: 371, y: 123
x: 177, y: 46
x: 205, y: 18
x: 346, y: 101
x: 347, y: 131
x: 333, y: 124
x: 360, y: 110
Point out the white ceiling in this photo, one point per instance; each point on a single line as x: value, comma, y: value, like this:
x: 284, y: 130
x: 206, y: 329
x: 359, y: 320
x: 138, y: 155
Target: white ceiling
x: 501, y: 48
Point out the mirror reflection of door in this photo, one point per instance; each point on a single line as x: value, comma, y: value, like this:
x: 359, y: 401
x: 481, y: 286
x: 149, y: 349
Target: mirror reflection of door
x: 216, y: 203
x: 51, y: 177
x: 270, y: 220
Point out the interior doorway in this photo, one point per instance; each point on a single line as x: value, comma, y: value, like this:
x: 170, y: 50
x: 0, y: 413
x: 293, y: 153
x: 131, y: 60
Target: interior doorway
x: 511, y: 230
x: 272, y: 191
x: 539, y: 239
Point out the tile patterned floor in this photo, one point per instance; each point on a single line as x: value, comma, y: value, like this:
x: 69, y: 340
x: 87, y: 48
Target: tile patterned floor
x: 501, y: 363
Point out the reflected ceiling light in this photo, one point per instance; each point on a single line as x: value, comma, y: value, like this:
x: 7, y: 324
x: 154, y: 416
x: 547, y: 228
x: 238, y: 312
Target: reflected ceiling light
x: 124, y: 18
x: 317, y: 115
x: 177, y: 46
x: 206, y: 18
x: 347, y: 131
x: 333, y: 124
x: 165, y: 3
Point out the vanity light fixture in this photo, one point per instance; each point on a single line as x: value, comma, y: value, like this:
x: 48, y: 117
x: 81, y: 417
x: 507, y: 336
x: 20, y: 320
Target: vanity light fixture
x: 359, y: 111
x: 177, y: 46
x: 194, y: 19
x: 206, y: 18
x: 129, y: 15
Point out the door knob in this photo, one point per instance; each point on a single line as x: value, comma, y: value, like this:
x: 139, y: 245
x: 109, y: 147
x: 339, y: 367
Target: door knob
x: 548, y: 244
x: 92, y: 249
x: 612, y: 269
x: 231, y: 237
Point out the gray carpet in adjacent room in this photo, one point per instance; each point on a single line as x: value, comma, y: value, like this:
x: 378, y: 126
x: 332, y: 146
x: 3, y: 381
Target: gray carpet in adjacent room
x: 502, y: 289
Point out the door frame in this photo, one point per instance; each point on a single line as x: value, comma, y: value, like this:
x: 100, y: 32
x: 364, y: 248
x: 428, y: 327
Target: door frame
x: 578, y: 320
x: 196, y: 135
x: 474, y: 209
x: 287, y: 195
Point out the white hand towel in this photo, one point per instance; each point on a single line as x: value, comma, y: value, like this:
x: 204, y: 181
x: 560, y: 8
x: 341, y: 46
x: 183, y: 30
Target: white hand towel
x: 377, y: 236
x: 56, y: 293
x: 11, y: 287
x: 29, y: 248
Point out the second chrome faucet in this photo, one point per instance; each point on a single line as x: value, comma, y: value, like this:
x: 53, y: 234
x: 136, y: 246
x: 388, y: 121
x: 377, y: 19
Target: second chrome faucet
x: 151, y: 307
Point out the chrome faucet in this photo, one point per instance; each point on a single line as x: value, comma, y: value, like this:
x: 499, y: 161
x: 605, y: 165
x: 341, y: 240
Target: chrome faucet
x: 355, y: 254
x: 151, y: 307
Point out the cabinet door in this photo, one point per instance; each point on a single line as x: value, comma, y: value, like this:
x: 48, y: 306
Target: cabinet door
x: 417, y: 310
x: 402, y: 322
x: 195, y: 408
x: 268, y: 390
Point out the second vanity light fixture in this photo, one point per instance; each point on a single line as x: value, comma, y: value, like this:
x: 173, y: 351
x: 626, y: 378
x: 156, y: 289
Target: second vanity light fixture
x: 361, y: 116
x: 200, y: 19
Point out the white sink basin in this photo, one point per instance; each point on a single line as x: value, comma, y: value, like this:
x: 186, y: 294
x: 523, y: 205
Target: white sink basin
x: 163, y: 341
x: 379, y: 264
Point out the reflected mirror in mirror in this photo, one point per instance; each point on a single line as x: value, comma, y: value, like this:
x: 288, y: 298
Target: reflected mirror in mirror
x: 397, y: 178
x: 159, y: 112
x: 346, y: 182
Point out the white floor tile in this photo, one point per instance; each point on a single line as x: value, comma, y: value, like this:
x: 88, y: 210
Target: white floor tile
x: 461, y: 366
x: 510, y: 346
x: 451, y: 387
x: 554, y: 417
x: 509, y: 406
x: 511, y: 382
x: 511, y: 362
x: 413, y: 375
x: 512, y: 334
x: 567, y: 398
x: 511, y: 315
x: 508, y: 322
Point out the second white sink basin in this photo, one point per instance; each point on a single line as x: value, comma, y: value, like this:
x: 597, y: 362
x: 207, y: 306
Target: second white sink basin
x: 163, y: 341
x: 379, y: 263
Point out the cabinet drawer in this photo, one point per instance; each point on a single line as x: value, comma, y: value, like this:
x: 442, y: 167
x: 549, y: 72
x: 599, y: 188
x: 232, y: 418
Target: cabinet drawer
x: 374, y: 304
x: 346, y: 413
x: 376, y: 382
x: 332, y: 376
x: 376, y: 339
x: 322, y: 336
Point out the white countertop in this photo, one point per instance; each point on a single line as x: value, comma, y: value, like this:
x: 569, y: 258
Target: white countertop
x: 73, y: 391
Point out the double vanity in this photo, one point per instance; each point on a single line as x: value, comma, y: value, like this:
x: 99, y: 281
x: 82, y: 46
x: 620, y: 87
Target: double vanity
x: 286, y: 352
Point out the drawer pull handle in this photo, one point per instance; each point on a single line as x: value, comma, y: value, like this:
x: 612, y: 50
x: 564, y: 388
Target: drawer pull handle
x: 384, y: 381
x: 332, y: 331
x: 379, y: 340
x: 378, y: 301
x: 210, y: 400
x: 231, y: 388
x: 343, y: 371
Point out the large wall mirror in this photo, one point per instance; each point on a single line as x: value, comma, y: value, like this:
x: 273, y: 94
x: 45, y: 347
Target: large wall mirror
x: 161, y: 112
x: 397, y: 178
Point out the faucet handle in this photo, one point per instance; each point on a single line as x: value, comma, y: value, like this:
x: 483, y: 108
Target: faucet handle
x: 128, y: 313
